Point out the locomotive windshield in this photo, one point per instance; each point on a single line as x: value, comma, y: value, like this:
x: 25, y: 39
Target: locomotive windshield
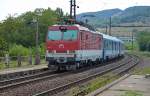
x: 58, y: 35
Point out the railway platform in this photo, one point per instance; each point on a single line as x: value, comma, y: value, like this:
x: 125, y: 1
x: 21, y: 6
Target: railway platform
x: 134, y: 84
x: 21, y: 69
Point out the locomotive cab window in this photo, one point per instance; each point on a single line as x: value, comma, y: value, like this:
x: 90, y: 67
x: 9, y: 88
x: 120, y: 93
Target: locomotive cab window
x: 54, y: 35
x: 70, y: 35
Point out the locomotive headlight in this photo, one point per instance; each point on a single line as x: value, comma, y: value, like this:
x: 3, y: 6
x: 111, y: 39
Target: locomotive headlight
x: 67, y: 51
x: 54, y: 51
x: 46, y: 51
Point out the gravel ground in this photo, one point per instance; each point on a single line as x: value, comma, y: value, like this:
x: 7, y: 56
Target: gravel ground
x: 37, y: 87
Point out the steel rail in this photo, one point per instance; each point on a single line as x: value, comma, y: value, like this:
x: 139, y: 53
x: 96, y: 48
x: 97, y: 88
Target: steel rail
x: 11, y: 81
x: 2, y: 88
x: 9, y: 76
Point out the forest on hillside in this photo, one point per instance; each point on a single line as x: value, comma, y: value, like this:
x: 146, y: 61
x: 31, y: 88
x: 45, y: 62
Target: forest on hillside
x: 139, y: 15
x: 17, y: 34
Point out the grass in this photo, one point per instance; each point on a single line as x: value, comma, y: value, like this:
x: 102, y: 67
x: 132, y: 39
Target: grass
x: 132, y: 93
x: 141, y: 54
x: 142, y: 71
x: 92, y: 85
x: 145, y: 70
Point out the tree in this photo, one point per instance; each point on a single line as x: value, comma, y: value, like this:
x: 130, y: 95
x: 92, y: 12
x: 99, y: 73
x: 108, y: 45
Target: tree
x: 3, y: 47
x: 59, y: 12
x: 144, y: 40
x: 21, y: 31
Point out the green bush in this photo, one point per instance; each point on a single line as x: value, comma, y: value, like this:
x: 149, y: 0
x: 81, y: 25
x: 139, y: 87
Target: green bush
x: 15, y: 50
x: 128, y: 46
x: 41, y: 49
x: 144, y: 40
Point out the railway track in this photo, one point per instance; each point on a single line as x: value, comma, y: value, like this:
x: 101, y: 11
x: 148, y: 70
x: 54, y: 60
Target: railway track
x: 28, y: 80
x: 45, y: 74
x: 29, y: 77
x: 31, y: 83
x: 118, y: 70
x: 14, y: 75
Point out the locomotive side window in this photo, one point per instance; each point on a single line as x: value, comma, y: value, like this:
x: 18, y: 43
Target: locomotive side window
x: 81, y: 36
x: 87, y: 37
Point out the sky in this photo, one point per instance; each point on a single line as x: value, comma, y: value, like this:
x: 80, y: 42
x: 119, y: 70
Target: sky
x: 16, y: 7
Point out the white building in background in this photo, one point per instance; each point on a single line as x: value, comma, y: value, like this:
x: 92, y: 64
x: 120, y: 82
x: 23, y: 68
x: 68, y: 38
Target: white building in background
x: 127, y: 38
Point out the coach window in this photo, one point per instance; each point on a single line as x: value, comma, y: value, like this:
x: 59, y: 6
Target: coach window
x: 105, y: 45
x: 108, y: 45
x: 116, y: 45
x: 112, y: 46
x: 119, y: 46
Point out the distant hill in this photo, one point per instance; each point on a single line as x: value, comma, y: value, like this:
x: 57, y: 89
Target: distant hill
x: 138, y: 15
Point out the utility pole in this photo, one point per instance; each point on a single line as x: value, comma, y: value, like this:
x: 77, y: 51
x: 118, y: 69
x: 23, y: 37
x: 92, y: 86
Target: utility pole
x: 37, y: 54
x: 106, y: 29
x: 73, y: 9
x: 110, y: 26
x: 132, y: 40
x: 37, y: 34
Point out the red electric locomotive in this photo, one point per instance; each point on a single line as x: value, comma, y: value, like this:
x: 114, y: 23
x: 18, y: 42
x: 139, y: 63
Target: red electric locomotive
x: 72, y: 46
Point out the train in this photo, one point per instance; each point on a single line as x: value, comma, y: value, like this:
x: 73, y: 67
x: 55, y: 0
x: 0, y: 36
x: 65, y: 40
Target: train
x: 69, y: 47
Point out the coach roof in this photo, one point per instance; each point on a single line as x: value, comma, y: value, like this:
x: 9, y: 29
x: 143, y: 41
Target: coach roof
x: 111, y: 38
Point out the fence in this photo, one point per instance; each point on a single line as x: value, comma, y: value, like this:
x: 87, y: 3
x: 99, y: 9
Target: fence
x: 19, y: 61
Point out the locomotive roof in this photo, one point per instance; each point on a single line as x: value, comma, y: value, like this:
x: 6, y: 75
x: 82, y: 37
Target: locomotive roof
x: 104, y: 35
x: 96, y: 32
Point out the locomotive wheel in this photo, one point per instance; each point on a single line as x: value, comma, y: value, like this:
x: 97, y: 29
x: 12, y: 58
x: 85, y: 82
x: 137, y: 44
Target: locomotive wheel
x: 58, y: 69
x: 89, y: 63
